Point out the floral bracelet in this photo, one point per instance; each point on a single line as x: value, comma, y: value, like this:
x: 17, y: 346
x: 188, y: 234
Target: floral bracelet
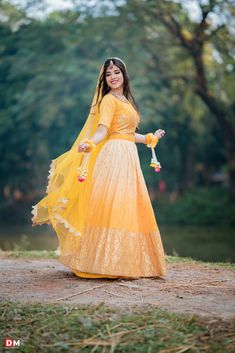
x: 151, y: 140
x: 92, y: 145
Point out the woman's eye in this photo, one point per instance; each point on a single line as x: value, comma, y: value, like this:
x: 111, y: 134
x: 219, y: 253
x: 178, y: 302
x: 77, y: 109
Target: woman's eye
x: 117, y: 72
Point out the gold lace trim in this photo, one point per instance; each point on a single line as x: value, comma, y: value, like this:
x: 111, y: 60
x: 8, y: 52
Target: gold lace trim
x: 67, y: 225
x: 56, y: 216
x: 51, y: 172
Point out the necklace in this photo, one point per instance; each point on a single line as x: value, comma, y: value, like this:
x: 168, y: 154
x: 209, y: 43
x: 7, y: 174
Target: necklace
x: 121, y: 97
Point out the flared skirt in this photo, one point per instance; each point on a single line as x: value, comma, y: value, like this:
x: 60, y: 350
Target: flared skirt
x: 121, y: 236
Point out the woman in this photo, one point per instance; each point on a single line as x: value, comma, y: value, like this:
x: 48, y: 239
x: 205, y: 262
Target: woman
x: 103, y: 216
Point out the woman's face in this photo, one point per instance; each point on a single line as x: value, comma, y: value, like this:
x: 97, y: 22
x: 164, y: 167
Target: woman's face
x: 114, y: 77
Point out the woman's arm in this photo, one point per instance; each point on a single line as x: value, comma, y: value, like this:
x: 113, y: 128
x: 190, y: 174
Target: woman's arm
x: 100, y: 134
x: 139, y: 138
x: 142, y: 139
x: 98, y: 137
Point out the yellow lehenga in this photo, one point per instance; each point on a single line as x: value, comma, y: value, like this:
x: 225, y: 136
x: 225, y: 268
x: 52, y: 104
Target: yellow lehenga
x: 106, y: 225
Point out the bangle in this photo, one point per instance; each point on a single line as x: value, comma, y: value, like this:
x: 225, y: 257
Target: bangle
x: 151, y: 140
x: 92, y: 145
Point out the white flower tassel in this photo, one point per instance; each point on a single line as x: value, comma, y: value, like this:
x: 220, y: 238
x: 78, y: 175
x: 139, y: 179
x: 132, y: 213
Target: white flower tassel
x: 154, y: 162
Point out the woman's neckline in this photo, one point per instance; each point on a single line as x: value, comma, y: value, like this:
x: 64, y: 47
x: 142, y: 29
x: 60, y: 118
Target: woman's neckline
x: 118, y: 95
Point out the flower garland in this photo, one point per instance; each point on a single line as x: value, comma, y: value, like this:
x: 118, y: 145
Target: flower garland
x: 151, y: 141
x: 82, y: 170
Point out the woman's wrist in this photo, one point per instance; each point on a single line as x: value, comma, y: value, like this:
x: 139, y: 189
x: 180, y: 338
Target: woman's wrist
x: 91, y: 143
x: 151, y: 140
x: 139, y: 138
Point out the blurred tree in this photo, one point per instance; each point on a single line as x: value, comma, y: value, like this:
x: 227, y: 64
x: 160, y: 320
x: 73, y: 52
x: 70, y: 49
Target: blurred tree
x: 199, y: 54
x: 48, y: 71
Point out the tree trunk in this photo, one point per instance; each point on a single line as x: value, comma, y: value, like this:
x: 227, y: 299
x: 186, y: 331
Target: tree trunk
x: 221, y: 113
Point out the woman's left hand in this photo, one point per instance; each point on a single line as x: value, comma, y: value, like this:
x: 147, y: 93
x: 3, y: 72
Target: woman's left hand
x: 159, y: 133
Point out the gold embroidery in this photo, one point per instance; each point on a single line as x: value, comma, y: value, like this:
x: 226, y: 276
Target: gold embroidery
x: 112, y: 251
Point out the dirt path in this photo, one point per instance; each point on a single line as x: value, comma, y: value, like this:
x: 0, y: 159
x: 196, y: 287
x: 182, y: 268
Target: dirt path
x: 188, y: 288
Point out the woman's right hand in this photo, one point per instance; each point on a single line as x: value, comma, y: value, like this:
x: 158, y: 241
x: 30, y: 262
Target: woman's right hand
x: 159, y: 133
x: 83, y: 147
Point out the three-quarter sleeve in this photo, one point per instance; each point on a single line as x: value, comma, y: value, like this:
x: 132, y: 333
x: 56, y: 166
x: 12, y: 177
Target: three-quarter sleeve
x: 107, y: 110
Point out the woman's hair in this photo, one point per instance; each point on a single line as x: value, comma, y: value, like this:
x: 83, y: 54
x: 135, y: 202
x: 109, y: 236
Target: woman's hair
x: 104, y: 89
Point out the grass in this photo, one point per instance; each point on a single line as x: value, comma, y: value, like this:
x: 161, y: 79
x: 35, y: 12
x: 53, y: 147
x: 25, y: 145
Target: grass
x: 25, y: 254
x: 72, y: 328
x: 65, y: 328
x: 51, y: 254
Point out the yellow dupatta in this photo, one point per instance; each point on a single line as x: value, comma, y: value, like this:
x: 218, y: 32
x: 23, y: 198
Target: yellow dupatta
x: 65, y: 205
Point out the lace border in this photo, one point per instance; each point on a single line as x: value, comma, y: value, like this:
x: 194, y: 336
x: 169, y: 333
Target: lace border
x: 50, y: 174
x: 57, y: 217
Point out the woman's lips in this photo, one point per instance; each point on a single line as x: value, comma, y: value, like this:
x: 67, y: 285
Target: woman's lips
x: 114, y: 82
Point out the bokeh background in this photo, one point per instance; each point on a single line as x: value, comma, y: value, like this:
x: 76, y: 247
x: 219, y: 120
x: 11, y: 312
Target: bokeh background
x: 180, y: 57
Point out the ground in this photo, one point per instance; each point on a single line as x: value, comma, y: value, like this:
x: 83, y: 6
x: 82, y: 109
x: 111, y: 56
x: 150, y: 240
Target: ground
x: 194, y: 288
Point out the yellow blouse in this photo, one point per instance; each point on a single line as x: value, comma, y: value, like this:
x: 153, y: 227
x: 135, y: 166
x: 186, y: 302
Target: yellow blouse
x: 118, y: 116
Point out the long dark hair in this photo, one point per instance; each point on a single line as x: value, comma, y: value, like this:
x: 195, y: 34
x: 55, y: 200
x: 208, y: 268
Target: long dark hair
x: 104, y: 89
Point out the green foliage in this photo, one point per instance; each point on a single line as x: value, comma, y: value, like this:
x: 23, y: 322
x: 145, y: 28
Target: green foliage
x: 23, y: 244
x: 48, y: 72
x: 199, y: 206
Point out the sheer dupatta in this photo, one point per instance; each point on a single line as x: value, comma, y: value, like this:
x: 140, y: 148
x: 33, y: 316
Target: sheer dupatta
x: 65, y: 205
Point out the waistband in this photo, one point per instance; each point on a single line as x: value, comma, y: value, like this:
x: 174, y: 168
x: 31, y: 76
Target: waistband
x: 128, y: 137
